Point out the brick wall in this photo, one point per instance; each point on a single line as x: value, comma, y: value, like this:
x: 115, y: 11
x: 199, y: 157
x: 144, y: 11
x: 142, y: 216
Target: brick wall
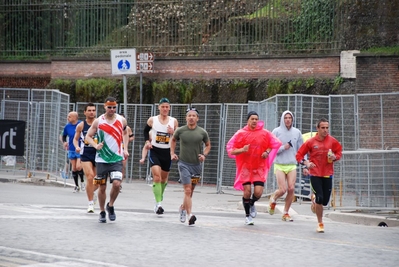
x: 181, y: 68
x: 373, y: 73
x: 376, y: 74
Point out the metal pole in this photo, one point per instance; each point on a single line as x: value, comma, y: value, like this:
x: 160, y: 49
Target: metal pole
x: 125, y: 112
x: 125, y: 96
x: 141, y: 89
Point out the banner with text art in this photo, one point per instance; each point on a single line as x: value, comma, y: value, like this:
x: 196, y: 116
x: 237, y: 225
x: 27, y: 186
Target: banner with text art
x: 12, y: 137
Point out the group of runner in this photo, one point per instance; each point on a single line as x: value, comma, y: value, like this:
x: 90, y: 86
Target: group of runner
x: 104, y: 148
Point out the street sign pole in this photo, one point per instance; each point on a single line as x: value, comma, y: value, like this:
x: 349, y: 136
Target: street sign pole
x: 145, y: 63
x: 125, y: 95
x: 123, y: 62
x: 141, y: 88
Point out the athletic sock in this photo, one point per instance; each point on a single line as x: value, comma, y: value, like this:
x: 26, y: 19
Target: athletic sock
x: 75, y: 177
x: 157, y: 190
x: 253, y: 199
x: 81, y: 176
x: 163, y: 185
x: 247, y: 205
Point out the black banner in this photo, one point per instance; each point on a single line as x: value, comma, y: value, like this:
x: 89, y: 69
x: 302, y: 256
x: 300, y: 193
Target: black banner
x: 12, y: 137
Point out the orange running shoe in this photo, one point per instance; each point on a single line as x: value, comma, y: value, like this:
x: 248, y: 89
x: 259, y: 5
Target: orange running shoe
x: 272, y: 206
x: 287, y: 218
x: 320, y: 228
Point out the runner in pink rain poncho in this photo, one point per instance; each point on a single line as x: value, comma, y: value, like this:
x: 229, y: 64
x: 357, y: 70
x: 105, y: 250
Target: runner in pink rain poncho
x: 254, y: 149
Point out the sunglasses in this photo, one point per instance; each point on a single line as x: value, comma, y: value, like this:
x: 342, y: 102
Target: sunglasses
x: 111, y: 107
x: 192, y: 109
x: 164, y: 100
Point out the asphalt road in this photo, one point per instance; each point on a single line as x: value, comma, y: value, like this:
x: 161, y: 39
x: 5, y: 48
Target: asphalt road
x: 49, y: 226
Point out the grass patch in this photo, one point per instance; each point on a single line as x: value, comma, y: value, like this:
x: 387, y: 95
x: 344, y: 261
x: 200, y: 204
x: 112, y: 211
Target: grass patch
x: 390, y: 50
x: 274, y: 9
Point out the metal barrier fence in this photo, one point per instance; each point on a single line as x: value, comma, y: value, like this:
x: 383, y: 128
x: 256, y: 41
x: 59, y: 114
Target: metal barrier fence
x: 45, y: 112
x: 80, y: 28
x: 367, y: 179
x: 364, y: 124
x: 364, y: 176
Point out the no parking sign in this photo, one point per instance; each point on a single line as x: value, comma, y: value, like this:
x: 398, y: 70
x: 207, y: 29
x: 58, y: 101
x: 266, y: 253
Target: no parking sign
x: 123, y: 61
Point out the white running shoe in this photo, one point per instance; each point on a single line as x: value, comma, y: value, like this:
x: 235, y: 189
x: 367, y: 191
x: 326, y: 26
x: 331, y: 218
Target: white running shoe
x: 183, y: 215
x: 249, y: 220
x: 252, y: 211
x: 76, y: 189
x: 90, y: 209
x: 82, y: 186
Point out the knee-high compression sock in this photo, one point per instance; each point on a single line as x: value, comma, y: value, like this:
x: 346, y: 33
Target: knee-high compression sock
x: 247, y: 205
x: 163, y: 185
x: 81, y: 176
x: 75, y: 177
x: 157, y: 190
x: 253, y: 199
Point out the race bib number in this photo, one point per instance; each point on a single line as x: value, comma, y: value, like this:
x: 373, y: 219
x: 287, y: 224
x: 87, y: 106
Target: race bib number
x: 162, y: 138
x: 195, y: 179
x: 99, y: 181
x: 115, y: 175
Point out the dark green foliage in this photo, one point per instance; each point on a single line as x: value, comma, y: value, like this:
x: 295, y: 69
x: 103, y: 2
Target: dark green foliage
x: 314, y: 24
x: 194, y: 91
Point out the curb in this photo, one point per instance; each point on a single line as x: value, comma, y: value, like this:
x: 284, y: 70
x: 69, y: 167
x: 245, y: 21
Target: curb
x: 363, y: 219
x: 36, y: 181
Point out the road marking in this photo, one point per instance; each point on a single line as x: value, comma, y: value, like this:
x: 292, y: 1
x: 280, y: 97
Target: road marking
x: 63, y: 261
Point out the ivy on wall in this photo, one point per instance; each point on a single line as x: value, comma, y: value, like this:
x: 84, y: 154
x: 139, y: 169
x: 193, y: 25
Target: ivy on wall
x: 190, y: 91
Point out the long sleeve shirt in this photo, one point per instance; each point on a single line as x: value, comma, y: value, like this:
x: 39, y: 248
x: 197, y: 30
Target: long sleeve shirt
x: 317, y: 150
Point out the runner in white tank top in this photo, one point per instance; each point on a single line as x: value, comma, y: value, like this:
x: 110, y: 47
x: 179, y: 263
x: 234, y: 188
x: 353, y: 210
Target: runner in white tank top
x: 162, y: 127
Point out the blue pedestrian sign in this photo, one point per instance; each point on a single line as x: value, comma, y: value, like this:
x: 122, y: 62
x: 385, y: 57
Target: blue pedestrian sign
x: 123, y: 61
x: 124, y: 65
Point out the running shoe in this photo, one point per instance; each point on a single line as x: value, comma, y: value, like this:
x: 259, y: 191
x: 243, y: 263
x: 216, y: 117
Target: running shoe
x: 313, y: 204
x: 192, y: 220
x: 111, y: 212
x: 159, y: 210
x: 272, y: 206
x: 76, y: 189
x: 183, y: 214
x: 287, y: 218
x: 249, y: 220
x: 102, y: 218
x: 320, y: 228
x: 90, y: 209
x: 252, y: 211
x: 82, y: 186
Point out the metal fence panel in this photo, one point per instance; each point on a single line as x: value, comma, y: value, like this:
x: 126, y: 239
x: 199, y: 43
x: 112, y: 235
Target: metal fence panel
x: 378, y: 118
x: 16, y: 110
x: 367, y: 179
x: 49, y: 110
x: 366, y: 176
x: 80, y: 28
x: 343, y: 121
x: 14, y: 105
x: 363, y: 121
x: 234, y: 118
x: 43, y: 110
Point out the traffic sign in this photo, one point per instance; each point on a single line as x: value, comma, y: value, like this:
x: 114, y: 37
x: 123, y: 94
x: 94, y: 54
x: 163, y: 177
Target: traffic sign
x: 145, y: 56
x: 123, y: 61
x: 145, y: 66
